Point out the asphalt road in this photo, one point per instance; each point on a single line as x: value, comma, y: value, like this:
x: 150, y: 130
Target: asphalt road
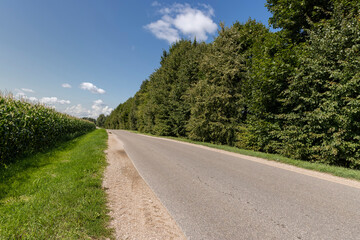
x: 213, y: 195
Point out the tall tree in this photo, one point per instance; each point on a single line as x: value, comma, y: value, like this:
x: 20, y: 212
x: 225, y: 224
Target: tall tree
x: 296, y: 16
x: 271, y: 63
x: 100, y: 121
x: 218, y: 101
x: 323, y: 97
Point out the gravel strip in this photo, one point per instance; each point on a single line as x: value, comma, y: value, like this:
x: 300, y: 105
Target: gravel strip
x: 135, y: 210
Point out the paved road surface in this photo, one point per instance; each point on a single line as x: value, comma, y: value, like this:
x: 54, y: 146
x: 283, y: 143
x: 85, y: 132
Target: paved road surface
x: 213, y: 195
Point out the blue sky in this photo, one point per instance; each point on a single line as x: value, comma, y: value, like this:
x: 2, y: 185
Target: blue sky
x: 84, y: 57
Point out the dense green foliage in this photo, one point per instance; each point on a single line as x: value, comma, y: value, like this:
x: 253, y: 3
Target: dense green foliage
x: 293, y: 92
x: 27, y: 128
x: 296, y: 16
x: 89, y: 119
x: 100, y: 121
x: 57, y: 194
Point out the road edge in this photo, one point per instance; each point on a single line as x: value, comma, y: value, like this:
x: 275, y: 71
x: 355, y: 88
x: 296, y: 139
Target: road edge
x: 312, y: 173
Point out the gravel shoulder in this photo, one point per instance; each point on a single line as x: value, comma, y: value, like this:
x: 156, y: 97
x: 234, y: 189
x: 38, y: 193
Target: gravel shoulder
x: 135, y: 210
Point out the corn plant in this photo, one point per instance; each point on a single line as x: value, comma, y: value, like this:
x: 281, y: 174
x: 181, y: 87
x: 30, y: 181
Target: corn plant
x: 27, y: 128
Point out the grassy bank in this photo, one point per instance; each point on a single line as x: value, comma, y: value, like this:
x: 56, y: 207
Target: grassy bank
x: 334, y: 170
x: 57, y: 194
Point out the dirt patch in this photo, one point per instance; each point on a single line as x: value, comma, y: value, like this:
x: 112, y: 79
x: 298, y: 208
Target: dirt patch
x: 135, y: 210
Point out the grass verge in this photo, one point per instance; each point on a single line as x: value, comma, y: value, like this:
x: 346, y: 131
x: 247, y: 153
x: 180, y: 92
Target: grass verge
x: 57, y: 194
x: 320, y: 167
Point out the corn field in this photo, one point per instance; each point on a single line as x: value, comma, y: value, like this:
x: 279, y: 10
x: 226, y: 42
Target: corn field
x: 27, y: 128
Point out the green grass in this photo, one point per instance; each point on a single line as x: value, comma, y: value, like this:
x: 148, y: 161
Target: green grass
x: 57, y: 194
x: 320, y: 167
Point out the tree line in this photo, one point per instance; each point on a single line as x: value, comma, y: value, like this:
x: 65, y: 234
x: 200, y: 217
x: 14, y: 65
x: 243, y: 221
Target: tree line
x: 294, y: 92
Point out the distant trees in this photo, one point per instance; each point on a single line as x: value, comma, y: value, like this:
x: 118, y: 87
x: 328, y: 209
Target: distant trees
x: 294, y: 92
x: 90, y: 119
x: 100, y: 121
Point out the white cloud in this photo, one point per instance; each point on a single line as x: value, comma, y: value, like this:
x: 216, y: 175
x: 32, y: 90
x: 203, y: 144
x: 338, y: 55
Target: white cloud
x: 210, y: 10
x: 64, y: 101
x: 182, y: 20
x: 33, y: 99
x: 98, y: 107
x: 20, y: 94
x: 91, y: 87
x: 53, y: 100
x: 163, y: 30
x: 45, y: 100
x: 66, y: 85
x: 195, y: 24
x: 98, y: 102
x: 27, y: 90
x: 77, y: 111
x: 155, y: 4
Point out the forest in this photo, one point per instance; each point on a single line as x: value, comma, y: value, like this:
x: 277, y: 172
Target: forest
x: 294, y: 91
